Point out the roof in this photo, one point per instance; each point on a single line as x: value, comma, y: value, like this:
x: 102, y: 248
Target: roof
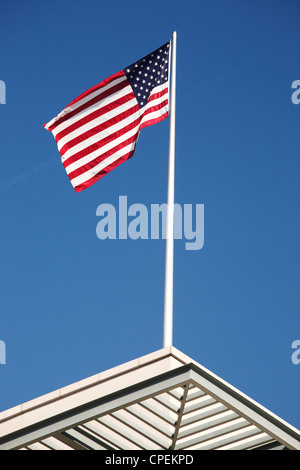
x: 163, y: 400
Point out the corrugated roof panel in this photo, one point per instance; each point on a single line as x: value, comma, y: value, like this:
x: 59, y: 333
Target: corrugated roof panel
x: 157, y: 438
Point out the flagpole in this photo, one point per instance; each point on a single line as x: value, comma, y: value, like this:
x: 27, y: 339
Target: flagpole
x: 169, y: 263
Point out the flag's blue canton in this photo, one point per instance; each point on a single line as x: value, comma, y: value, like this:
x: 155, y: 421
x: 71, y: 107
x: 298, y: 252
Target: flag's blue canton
x: 147, y: 73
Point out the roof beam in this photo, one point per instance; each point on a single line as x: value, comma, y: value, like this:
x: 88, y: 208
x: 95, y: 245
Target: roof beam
x: 181, y: 410
x: 97, y: 408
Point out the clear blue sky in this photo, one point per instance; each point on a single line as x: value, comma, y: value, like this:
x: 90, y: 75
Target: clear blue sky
x: 72, y: 305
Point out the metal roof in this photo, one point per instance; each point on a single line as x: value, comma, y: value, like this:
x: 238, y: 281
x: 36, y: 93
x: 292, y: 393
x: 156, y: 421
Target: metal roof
x: 164, y: 400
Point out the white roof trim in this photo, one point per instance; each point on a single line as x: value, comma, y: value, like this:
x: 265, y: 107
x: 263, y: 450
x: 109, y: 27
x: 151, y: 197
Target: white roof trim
x: 159, y: 401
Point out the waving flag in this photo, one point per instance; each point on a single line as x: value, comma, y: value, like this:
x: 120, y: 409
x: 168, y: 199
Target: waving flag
x: 98, y: 130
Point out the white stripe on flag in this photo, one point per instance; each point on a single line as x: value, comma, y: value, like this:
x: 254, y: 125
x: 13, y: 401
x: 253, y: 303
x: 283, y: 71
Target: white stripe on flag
x: 90, y: 157
x: 101, y: 135
x: 96, y: 106
x: 84, y: 100
x: 90, y: 173
x: 96, y: 122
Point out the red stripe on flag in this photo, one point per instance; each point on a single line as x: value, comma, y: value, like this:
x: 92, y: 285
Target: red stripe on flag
x: 90, y: 165
x: 105, y: 125
x: 103, y: 172
x: 97, y: 145
x: 158, y: 94
x: 154, y: 121
x: 97, y: 98
x: 94, y: 115
x: 156, y: 107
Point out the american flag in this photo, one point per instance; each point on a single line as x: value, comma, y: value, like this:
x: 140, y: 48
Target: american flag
x: 98, y: 130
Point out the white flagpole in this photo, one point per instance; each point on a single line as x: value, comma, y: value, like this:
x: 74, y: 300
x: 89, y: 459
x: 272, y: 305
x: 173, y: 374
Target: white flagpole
x: 169, y: 266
